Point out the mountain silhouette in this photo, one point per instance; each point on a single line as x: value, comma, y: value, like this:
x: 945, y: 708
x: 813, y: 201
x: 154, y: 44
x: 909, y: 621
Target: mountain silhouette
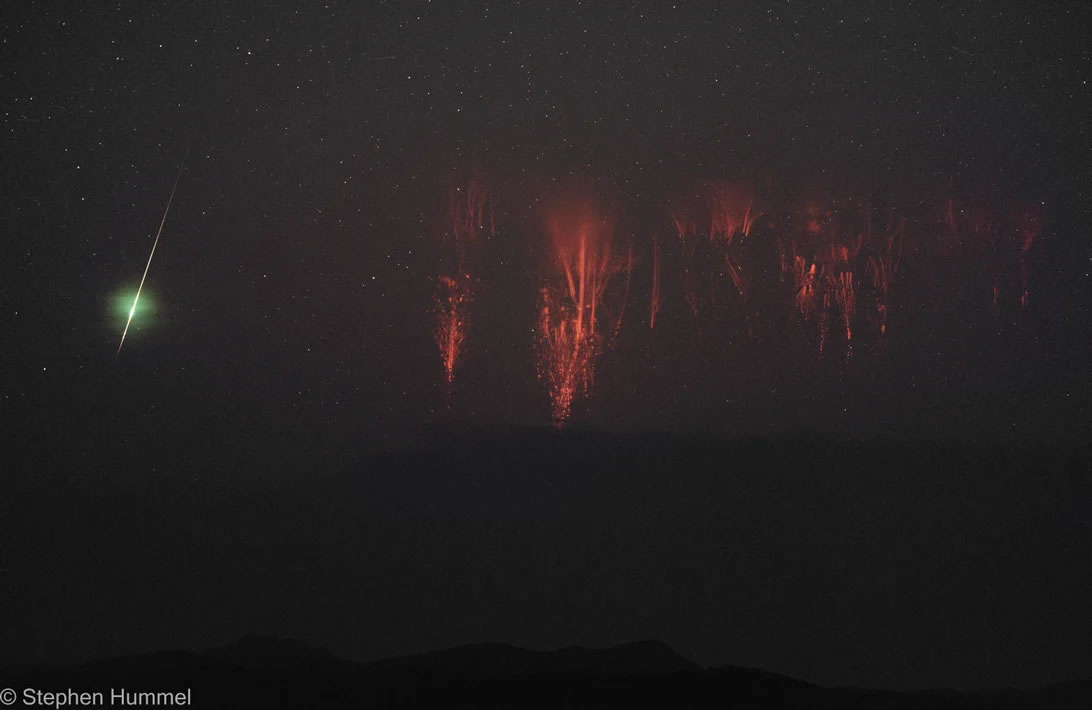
x: 256, y: 651
x: 492, y: 661
x: 268, y: 672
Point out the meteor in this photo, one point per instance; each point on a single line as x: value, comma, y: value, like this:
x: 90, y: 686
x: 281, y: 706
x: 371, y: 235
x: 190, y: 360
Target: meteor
x: 148, y: 265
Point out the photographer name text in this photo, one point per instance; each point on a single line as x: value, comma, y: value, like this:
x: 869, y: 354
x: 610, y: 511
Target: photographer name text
x: 115, y: 697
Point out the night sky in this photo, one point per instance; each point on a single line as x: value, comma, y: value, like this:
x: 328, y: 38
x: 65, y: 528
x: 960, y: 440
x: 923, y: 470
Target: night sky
x: 285, y: 331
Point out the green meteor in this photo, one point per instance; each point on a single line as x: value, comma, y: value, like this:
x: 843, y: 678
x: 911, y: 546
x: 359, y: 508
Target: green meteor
x: 136, y: 297
x: 123, y: 309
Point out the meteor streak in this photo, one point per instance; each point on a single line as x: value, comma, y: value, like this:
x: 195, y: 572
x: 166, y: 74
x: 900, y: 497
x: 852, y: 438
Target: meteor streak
x: 148, y: 265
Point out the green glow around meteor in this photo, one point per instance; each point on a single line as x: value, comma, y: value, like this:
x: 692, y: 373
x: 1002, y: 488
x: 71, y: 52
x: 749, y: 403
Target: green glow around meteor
x: 126, y: 305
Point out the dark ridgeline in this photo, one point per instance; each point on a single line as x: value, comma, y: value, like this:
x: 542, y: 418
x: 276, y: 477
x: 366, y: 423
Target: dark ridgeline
x: 929, y: 564
x: 268, y: 672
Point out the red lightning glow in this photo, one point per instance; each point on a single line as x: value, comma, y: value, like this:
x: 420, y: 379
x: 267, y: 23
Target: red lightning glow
x: 1029, y: 228
x: 571, y: 306
x: 686, y: 229
x: 845, y: 295
x: 470, y: 215
x: 655, y: 297
x: 996, y: 240
x: 732, y: 211
x: 880, y: 271
x: 841, y: 260
x: 453, y: 299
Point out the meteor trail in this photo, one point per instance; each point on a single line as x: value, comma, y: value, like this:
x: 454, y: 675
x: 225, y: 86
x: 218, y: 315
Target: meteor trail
x: 163, y: 221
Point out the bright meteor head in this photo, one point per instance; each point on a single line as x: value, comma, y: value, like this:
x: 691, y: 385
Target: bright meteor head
x: 126, y: 308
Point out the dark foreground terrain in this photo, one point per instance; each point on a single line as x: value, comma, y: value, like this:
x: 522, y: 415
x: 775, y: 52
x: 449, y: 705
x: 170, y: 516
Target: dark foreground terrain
x: 258, y: 672
x: 901, y: 565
